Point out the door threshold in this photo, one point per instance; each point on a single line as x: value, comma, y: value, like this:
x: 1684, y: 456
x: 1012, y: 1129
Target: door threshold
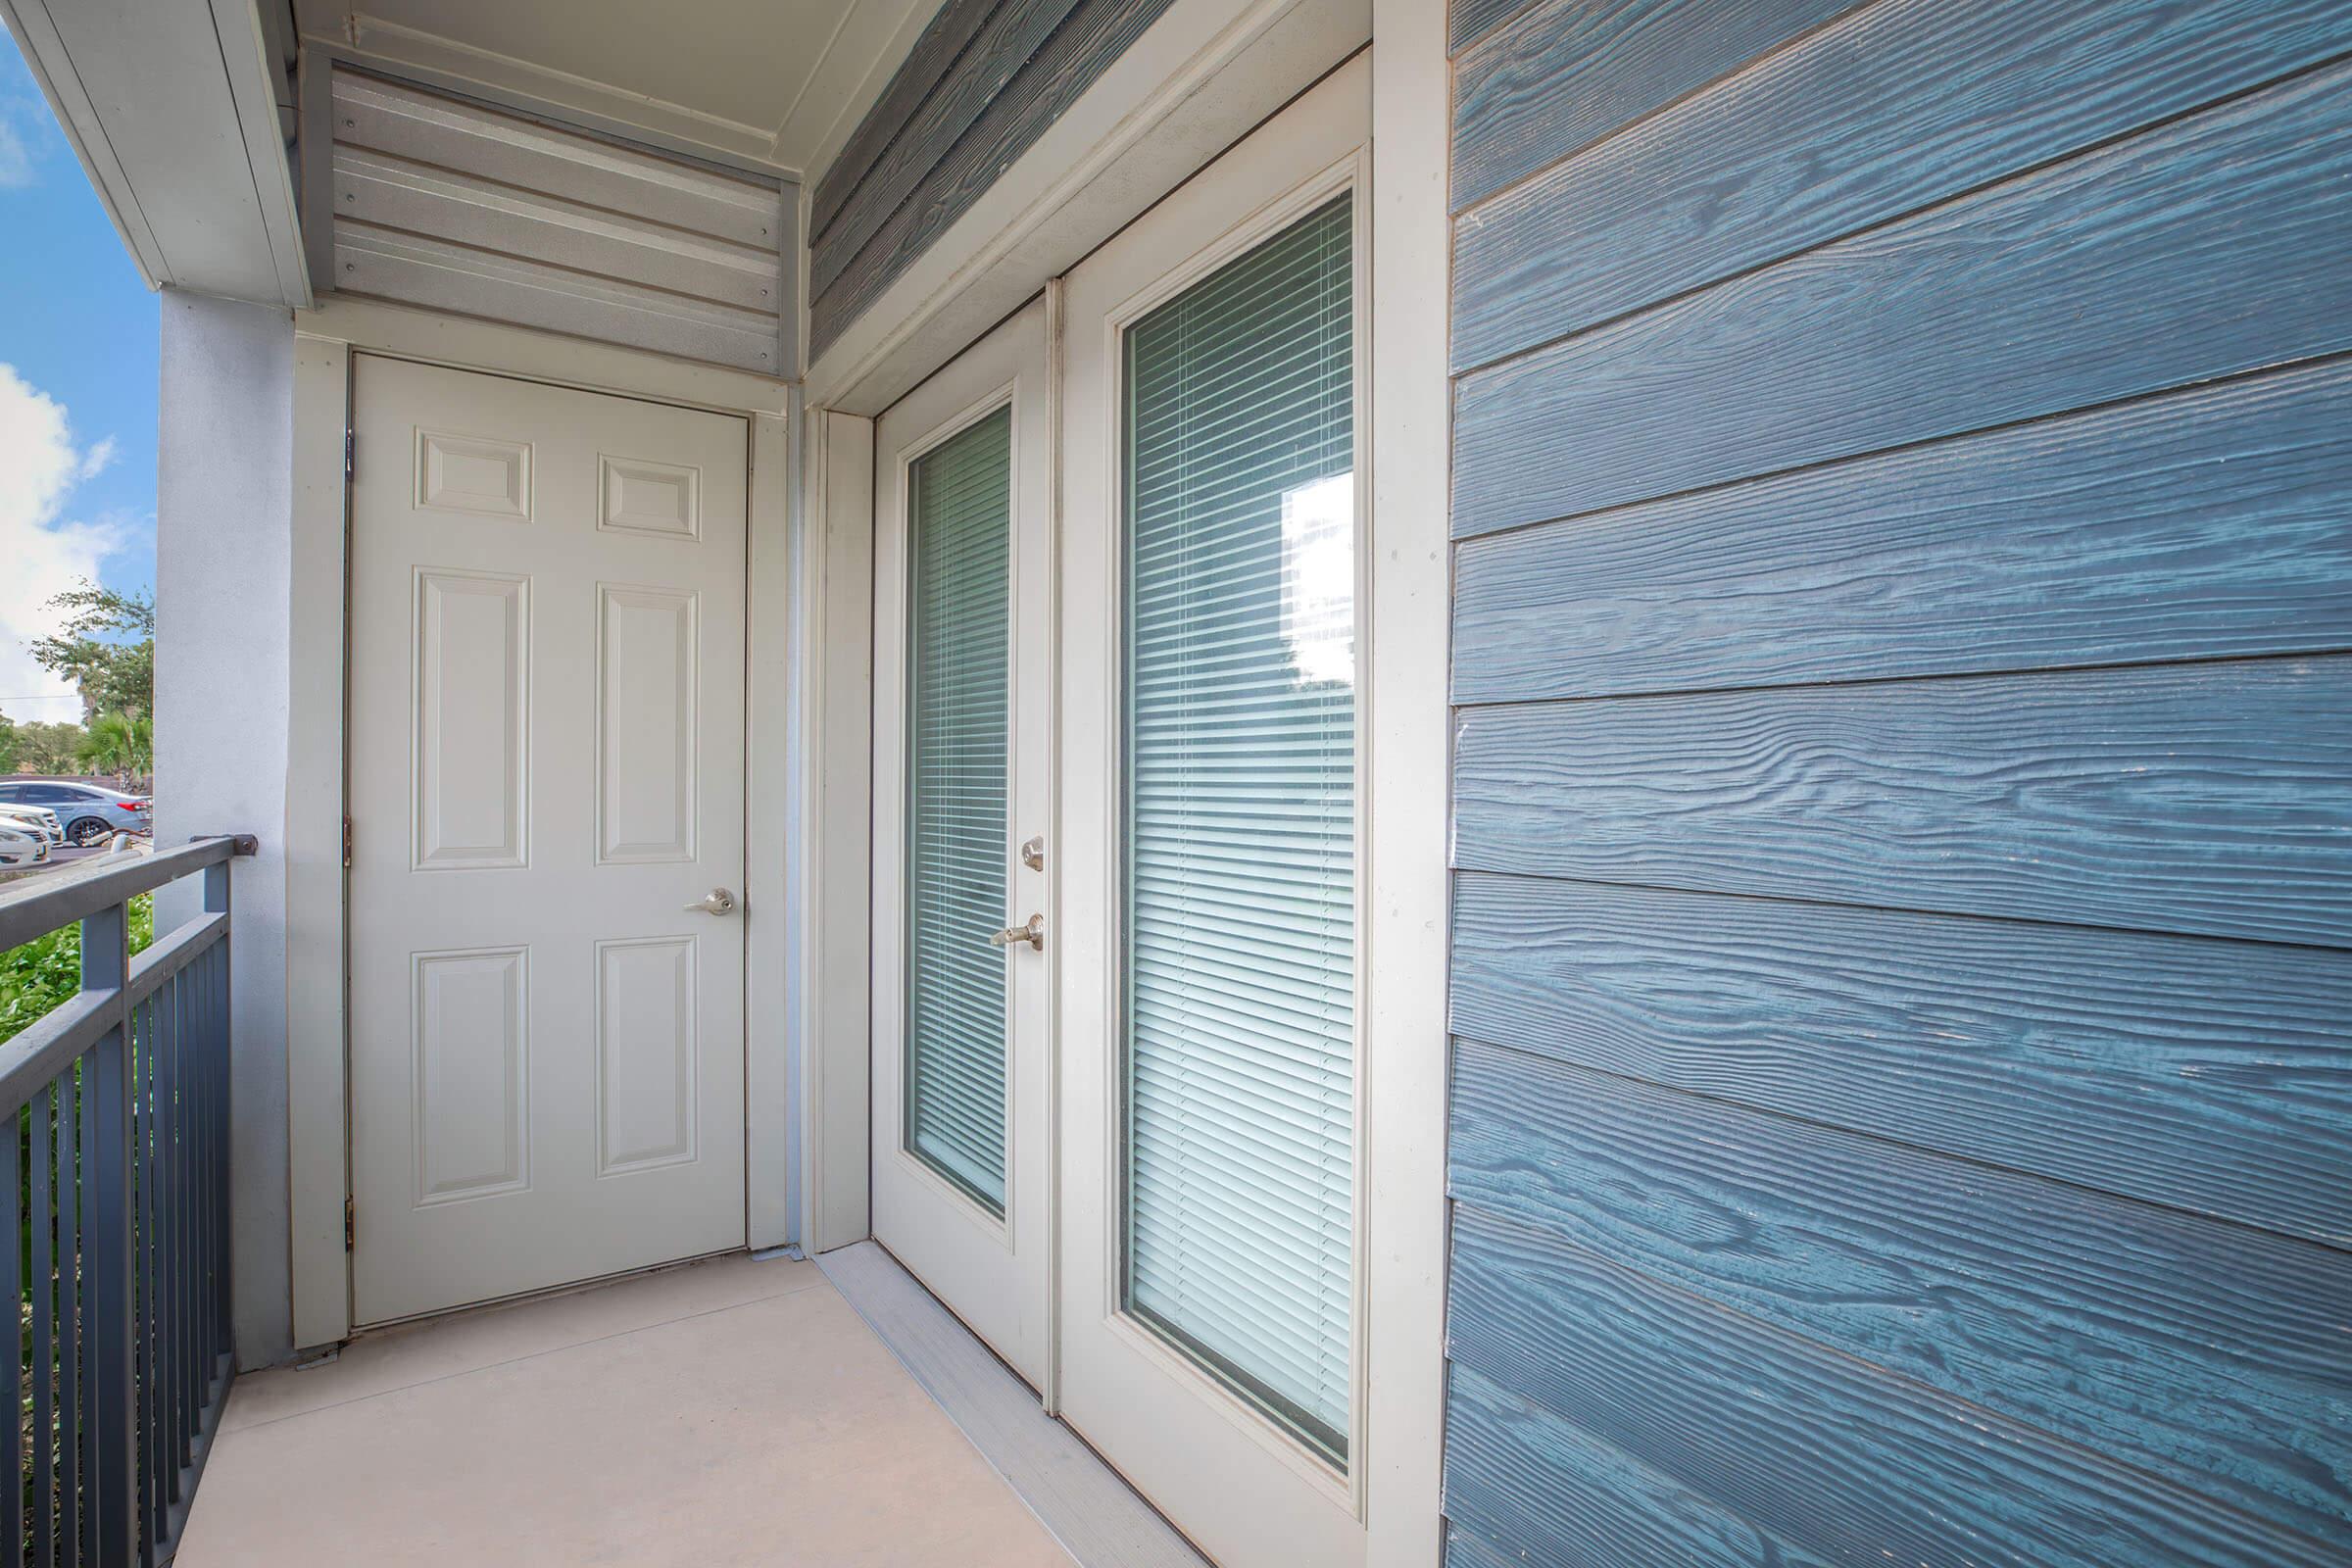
x: 1085, y: 1504
x: 542, y: 1293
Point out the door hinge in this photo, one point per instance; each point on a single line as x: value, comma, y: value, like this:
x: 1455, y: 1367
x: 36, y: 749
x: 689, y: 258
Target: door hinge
x: 351, y: 453
x: 351, y: 1224
x: 347, y: 844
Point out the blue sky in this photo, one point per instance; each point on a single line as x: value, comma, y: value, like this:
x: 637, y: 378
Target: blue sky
x: 77, y: 331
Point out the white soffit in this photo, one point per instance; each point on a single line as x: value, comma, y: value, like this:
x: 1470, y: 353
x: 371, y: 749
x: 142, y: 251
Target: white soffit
x: 776, y: 85
x: 447, y: 204
x: 177, y: 110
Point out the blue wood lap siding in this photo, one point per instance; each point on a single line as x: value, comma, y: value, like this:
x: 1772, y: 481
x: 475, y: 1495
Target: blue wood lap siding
x: 983, y: 82
x: 1903, y: 970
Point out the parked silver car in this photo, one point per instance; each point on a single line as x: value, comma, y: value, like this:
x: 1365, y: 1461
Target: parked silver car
x: 90, y: 813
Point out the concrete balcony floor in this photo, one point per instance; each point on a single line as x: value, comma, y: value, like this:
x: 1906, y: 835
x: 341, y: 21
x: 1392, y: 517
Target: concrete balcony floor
x: 727, y: 1411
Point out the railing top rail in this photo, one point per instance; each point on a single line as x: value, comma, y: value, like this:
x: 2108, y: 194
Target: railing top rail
x: 40, y: 907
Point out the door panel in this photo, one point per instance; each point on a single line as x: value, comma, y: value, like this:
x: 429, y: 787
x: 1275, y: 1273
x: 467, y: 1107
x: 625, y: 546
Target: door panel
x: 546, y: 770
x: 1210, y: 826
x: 962, y: 683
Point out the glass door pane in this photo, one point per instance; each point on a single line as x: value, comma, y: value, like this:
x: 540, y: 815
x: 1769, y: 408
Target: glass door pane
x: 1240, y: 823
x: 957, y: 827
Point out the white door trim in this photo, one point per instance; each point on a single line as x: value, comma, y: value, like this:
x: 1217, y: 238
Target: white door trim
x: 1401, y: 1091
x: 831, y: 823
x: 317, y: 1131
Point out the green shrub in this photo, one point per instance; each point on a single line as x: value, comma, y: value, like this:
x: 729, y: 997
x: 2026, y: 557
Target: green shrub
x: 46, y: 970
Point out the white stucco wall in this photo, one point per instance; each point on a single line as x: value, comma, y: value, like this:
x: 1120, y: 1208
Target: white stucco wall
x: 223, y: 535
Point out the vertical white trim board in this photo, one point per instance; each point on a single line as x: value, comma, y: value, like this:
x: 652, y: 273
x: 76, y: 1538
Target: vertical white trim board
x: 1096, y: 1516
x: 1403, y: 1085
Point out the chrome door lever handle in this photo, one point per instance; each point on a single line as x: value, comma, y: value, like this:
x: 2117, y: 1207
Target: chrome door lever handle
x: 1034, y: 933
x: 719, y: 900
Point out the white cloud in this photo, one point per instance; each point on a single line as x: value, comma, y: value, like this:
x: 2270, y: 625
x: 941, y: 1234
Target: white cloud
x: 95, y: 460
x: 42, y: 554
x: 15, y: 160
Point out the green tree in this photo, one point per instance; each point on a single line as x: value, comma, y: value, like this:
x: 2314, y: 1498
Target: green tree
x: 8, y: 744
x: 120, y: 744
x: 106, y: 647
x: 48, y: 748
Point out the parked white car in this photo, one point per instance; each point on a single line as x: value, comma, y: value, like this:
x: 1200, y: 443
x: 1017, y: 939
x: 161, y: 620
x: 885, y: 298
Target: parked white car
x: 39, y: 817
x: 20, y: 845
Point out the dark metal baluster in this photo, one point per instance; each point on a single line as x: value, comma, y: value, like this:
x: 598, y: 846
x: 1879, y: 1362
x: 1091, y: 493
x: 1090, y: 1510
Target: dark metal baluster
x: 110, y: 1470
x: 12, y: 1281
x: 200, y: 1212
x: 217, y: 1139
x: 168, y: 1254
x: 191, y: 1147
x: 88, y: 1346
x: 183, y: 1238
x: 224, y: 1339
x: 44, y: 1331
x: 151, y: 1533
x: 69, y: 1314
x: 200, y: 1152
x: 215, y: 901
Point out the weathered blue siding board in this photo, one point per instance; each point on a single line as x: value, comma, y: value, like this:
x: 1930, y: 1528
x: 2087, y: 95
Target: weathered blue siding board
x: 2215, y: 1077
x: 985, y: 81
x: 1811, y: 1446
x: 2206, y: 523
x: 2209, y: 799
x: 1903, y: 970
x: 2219, y: 1350
x: 1841, y: 130
x: 2101, y: 277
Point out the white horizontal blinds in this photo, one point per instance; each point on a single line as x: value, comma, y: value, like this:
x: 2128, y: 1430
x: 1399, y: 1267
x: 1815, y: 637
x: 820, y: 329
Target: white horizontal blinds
x: 1241, y: 823
x: 962, y: 508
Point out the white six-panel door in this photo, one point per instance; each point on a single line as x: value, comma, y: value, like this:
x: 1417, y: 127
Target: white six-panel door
x: 547, y: 788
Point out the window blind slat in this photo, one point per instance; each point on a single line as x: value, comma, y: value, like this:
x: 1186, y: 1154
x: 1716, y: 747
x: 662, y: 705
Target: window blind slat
x: 1241, y: 823
x: 961, y: 509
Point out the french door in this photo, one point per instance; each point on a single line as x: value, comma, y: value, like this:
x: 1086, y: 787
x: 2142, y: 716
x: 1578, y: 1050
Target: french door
x: 1210, y: 875
x: 962, y: 932
x: 1117, y: 709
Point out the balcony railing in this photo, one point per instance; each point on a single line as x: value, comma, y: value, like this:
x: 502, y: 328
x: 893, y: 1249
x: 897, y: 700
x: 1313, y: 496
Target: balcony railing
x: 113, y: 1113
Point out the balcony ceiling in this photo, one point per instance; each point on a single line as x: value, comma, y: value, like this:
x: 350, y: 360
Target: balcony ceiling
x: 774, y: 83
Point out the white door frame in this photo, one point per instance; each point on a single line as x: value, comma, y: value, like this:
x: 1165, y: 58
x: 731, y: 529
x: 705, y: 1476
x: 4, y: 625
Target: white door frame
x: 318, y: 1127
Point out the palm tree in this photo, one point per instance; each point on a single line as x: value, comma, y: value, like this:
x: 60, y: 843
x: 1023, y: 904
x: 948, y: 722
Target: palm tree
x: 118, y: 743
